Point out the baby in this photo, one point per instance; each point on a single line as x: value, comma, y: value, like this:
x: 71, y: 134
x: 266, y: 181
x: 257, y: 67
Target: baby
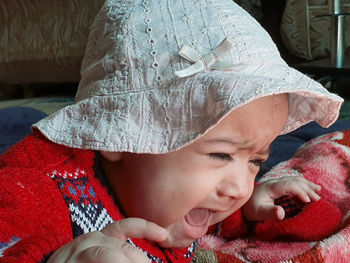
x: 177, y: 106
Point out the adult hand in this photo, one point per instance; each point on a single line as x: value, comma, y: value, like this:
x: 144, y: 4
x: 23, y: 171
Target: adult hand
x: 261, y: 204
x: 108, y: 245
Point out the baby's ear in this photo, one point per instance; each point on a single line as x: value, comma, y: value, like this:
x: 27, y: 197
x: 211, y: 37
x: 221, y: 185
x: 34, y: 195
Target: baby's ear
x: 111, y: 156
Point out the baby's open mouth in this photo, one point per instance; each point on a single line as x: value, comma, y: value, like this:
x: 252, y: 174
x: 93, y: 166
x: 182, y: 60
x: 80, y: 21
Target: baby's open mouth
x: 197, y: 222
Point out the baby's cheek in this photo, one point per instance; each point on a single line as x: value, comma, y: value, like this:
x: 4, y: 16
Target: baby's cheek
x: 249, y: 191
x: 220, y: 216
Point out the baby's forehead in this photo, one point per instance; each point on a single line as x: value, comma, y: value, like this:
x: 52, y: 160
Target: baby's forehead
x: 266, y: 115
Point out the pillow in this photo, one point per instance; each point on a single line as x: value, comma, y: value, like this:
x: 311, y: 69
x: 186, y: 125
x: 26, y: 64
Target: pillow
x: 15, y: 124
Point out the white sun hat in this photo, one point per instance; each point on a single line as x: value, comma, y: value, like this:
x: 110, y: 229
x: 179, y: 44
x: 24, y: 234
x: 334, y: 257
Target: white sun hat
x: 158, y: 74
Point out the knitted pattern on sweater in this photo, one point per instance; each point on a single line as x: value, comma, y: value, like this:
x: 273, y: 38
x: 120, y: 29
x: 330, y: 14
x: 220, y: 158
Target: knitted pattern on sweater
x: 50, y: 194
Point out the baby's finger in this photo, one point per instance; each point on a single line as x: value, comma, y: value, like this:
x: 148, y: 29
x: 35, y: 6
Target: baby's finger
x: 269, y: 211
x: 313, y: 196
x: 311, y: 190
x: 305, y: 193
x: 308, y: 184
x: 315, y: 187
x: 125, y: 253
x: 304, y: 189
x: 135, y: 228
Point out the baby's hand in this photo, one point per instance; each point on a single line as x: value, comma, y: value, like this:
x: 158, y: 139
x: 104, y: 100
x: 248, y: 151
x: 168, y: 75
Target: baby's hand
x: 261, y: 205
x: 108, y: 245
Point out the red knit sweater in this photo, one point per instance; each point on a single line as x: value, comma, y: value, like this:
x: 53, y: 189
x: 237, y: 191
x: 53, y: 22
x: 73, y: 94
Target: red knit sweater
x: 50, y: 194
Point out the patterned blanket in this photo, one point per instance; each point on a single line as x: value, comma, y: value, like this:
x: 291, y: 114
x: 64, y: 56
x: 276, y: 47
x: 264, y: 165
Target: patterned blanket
x: 318, y: 231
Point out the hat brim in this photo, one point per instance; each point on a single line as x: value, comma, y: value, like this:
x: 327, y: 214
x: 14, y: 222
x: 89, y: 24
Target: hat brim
x: 166, y: 118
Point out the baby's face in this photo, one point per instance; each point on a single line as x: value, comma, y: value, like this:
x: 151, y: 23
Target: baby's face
x: 201, y: 184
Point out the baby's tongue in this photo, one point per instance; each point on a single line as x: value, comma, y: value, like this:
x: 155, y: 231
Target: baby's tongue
x: 197, y: 223
x: 198, y: 217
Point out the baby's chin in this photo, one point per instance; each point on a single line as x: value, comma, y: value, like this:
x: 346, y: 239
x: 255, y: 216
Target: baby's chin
x: 176, y: 239
x: 172, y: 243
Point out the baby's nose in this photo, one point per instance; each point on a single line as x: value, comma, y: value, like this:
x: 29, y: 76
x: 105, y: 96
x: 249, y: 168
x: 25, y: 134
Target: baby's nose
x: 235, y: 187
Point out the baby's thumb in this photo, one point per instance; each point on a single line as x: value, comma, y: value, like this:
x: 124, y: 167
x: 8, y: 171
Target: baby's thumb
x: 271, y: 212
x: 135, y: 228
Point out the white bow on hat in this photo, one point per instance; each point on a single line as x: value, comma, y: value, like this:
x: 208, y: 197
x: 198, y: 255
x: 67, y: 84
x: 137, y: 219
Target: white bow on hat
x: 208, y: 61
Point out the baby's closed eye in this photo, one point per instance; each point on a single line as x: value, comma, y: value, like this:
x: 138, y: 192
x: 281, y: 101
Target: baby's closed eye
x: 227, y: 157
x: 221, y: 156
x: 257, y: 162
